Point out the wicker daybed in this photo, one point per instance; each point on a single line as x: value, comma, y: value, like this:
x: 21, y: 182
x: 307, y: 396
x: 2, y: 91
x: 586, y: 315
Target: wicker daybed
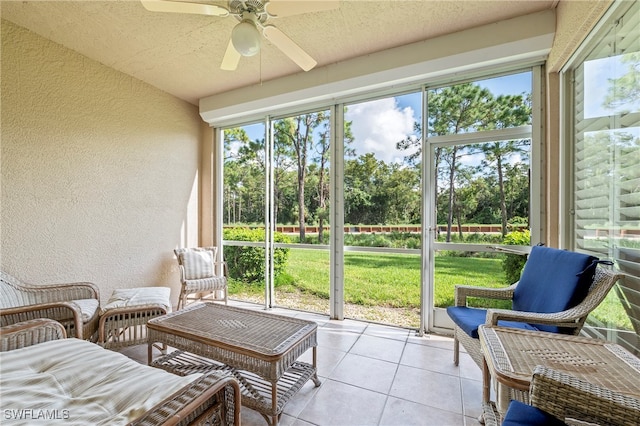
x: 45, y: 376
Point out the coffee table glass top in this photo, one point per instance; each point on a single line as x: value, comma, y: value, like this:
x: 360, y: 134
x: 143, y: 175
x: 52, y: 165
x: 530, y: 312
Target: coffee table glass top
x: 262, y: 333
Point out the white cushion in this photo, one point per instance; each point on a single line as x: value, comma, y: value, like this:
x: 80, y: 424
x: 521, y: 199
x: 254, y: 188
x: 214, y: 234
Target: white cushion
x: 141, y: 296
x: 197, y: 264
x: 88, y: 308
x: 81, y: 384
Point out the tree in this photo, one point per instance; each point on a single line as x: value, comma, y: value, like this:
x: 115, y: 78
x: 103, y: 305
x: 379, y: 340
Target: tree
x: 359, y: 188
x: 452, y: 110
x: 244, y: 167
x: 517, y: 192
x: 322, y: 149
x: 298, y: 133
x: 504, y: 112
x: 283, y: 164
x: 464, y: 200
x: 467, y: 108
x: 623, y: 93
x: 402, y: 190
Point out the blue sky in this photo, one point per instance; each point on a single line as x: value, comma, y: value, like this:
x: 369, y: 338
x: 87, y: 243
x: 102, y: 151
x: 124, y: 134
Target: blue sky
x: 513, y: 84
x: 378, y: 125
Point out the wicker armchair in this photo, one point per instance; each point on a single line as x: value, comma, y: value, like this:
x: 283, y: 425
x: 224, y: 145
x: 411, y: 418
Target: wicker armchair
x: 570, y: 400
x: 200, y: 273
x: 576, y: 301
x: 74, y: 305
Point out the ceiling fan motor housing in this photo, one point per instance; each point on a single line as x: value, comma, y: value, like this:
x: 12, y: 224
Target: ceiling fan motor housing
x: 239, y: 7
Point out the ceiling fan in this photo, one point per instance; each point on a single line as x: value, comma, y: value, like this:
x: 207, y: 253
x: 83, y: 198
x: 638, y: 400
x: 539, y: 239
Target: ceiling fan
x: 252, y: 16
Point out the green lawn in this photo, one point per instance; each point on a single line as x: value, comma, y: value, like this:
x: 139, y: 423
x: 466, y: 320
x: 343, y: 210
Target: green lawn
x: 393, y: 281
x: 380, y: 279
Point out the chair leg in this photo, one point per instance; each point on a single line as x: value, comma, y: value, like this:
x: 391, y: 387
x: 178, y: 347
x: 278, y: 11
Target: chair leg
x: 182, y: 299
x: 456, y: 350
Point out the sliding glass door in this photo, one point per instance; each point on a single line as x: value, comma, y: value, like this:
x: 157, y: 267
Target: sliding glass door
x: 480, y: 140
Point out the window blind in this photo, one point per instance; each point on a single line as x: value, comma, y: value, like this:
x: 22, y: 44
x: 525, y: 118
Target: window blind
x: 606, y: 167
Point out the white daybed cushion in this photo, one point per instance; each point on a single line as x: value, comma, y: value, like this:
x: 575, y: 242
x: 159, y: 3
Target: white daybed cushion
x: 76, y: 382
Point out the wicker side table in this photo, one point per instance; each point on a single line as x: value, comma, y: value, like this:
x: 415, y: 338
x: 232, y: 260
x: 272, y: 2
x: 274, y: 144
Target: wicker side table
x: 511, y: 355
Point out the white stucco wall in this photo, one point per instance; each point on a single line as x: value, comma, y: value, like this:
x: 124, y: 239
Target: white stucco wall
x: 574, y: 21
x: 99, y: 170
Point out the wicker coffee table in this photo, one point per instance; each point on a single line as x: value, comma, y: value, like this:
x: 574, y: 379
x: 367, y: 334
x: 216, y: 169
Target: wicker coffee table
x: 512, y: 354
x: 258, y: 348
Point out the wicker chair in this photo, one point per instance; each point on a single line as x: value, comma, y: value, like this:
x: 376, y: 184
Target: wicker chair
x: 74, y: 305
x: 576, y: 282
x: 569, y: 400
x: 200, y: 273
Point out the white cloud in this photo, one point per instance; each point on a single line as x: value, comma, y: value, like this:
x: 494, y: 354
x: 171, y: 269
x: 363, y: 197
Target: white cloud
x: 378, y: 125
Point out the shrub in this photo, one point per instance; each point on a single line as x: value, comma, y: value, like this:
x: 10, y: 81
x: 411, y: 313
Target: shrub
x: 413, y: 243
x: 380, y: 241
x: 473, y: 238
x: 247, y: 263
x: 518, y: 221
x: 512, y: 264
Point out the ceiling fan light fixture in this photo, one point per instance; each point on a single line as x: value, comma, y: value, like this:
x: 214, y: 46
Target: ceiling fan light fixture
x: 253, y: 16
x: 246, y: 38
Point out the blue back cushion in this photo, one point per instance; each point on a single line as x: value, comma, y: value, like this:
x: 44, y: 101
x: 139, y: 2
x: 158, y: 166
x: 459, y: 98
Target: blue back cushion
x: 553, y: 280
x: 520, y: 414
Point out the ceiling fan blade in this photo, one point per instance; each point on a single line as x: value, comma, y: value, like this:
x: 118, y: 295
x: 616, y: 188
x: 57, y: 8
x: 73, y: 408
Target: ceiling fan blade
x: 281, y: 8
x: 184, y: 7
x: 231, y: 58
x: 289, y: 47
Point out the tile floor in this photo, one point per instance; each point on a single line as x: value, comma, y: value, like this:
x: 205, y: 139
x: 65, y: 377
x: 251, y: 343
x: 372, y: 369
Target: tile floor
x: 377, y: 375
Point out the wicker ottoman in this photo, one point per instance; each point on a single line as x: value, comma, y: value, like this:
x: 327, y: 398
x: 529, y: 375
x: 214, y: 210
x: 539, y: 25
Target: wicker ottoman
x: 123, y: 320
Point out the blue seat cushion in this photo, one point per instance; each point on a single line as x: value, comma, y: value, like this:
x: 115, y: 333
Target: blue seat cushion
x: 553, y: 280
x: 520, y: 414
x: 468, y: 319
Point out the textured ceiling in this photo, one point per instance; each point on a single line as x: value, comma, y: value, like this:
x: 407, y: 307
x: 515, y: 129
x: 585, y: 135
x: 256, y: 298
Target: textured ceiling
x: 181, y: 53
